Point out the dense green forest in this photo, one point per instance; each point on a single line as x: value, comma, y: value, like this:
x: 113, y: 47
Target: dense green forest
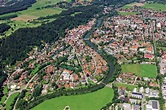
x: 21, y: 5
x: 4, y: 27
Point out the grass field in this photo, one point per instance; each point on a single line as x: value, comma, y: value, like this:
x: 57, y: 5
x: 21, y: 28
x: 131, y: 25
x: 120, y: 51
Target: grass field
x: 129, y: 87
x: 142, y: 70
x: 154, y: 6
x: 10, y: 100
x: 37, y: 10
x: 31, y: 13
x: 34, y: 13
x: 128, y: 13
x: 5, y: 90
x: 3, y: 99
x: 16, y: 25
x: 90, y: 101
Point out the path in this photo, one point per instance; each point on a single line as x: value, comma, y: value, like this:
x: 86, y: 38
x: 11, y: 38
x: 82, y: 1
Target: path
x: 82, y: 69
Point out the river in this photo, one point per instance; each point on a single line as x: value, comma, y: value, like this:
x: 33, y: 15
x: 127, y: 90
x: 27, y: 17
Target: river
x: 94, y: 47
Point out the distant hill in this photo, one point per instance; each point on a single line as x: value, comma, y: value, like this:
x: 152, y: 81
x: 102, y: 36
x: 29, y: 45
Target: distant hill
x: 14, y: 5
x: 159, y: 1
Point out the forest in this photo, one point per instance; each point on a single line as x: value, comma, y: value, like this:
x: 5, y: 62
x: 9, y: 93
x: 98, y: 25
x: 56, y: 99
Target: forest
x: 4, y: 27
x: 22, y: 5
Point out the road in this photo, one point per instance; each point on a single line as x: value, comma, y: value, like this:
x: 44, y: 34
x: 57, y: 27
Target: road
x: 27, y: 86
x: 82, y: 68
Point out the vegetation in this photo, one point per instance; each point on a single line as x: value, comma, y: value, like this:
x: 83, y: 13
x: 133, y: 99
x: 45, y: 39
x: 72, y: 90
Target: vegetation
x: 18, y: 6
x: 128, y: 86
x: 155, y: 6
x: 93, y: 101
x: 142, y: 70
x: 4, y: 27
x: 114, y: 100
x: 128, y: 13
x: 11, y: 100
x: 7, y: 16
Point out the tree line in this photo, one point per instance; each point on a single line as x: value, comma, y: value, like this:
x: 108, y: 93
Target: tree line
x: 18, y: 6
x: 4, y: 27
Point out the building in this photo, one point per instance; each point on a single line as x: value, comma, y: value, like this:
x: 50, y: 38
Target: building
x: 137, y: 95
x: 127, y: 106
x: 153, y: 105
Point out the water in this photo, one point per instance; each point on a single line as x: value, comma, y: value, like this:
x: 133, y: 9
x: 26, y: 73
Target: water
x: 94, y: 47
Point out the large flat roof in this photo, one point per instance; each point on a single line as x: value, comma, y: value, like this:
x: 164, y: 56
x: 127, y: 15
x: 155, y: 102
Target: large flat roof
x: 155, y: 104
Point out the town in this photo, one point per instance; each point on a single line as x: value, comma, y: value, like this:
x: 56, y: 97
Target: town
x: 137, y: 41
x: 136, y: 37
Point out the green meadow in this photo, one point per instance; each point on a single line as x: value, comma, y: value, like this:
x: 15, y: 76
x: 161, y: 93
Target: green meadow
x: 142, y: 70
x: 154, y: 6
x: 128, y: 86
x: 10, y: 100
x: 128, y: 13
x: 37, y: 10
x: 89, y: 101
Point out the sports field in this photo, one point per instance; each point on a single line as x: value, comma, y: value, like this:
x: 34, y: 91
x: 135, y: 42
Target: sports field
x: 89, y: 101
x: 142, y: 70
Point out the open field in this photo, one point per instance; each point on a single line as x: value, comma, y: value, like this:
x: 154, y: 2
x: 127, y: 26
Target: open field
x: 154, y: 6
x: 5, y: 91
x: 37, y: 10
x: 89, y: 101
x: 3, y: 99
x: 16, y: 25
x: 129, y: 87
x: 142, y: 70
x: 31, y: 13
x: 10, y: 100
x: 128, y: 13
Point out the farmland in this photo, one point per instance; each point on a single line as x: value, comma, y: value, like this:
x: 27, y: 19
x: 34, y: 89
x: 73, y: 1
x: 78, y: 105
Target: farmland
x: 142, y: 70
x: 92, y: 101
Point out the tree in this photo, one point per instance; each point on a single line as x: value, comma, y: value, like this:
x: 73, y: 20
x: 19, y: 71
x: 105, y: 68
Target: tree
x: 37, y: 91
x: 21, y: 103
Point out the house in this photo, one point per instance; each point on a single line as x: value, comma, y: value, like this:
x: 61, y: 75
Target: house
x: 136, y: 107
x: 65, y: 75
x: 154, y: 93
x: 126, y: 106
x: 137, y: 95
x: 147, y: 90
x: 149, y: 56
x: 141, y: 90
